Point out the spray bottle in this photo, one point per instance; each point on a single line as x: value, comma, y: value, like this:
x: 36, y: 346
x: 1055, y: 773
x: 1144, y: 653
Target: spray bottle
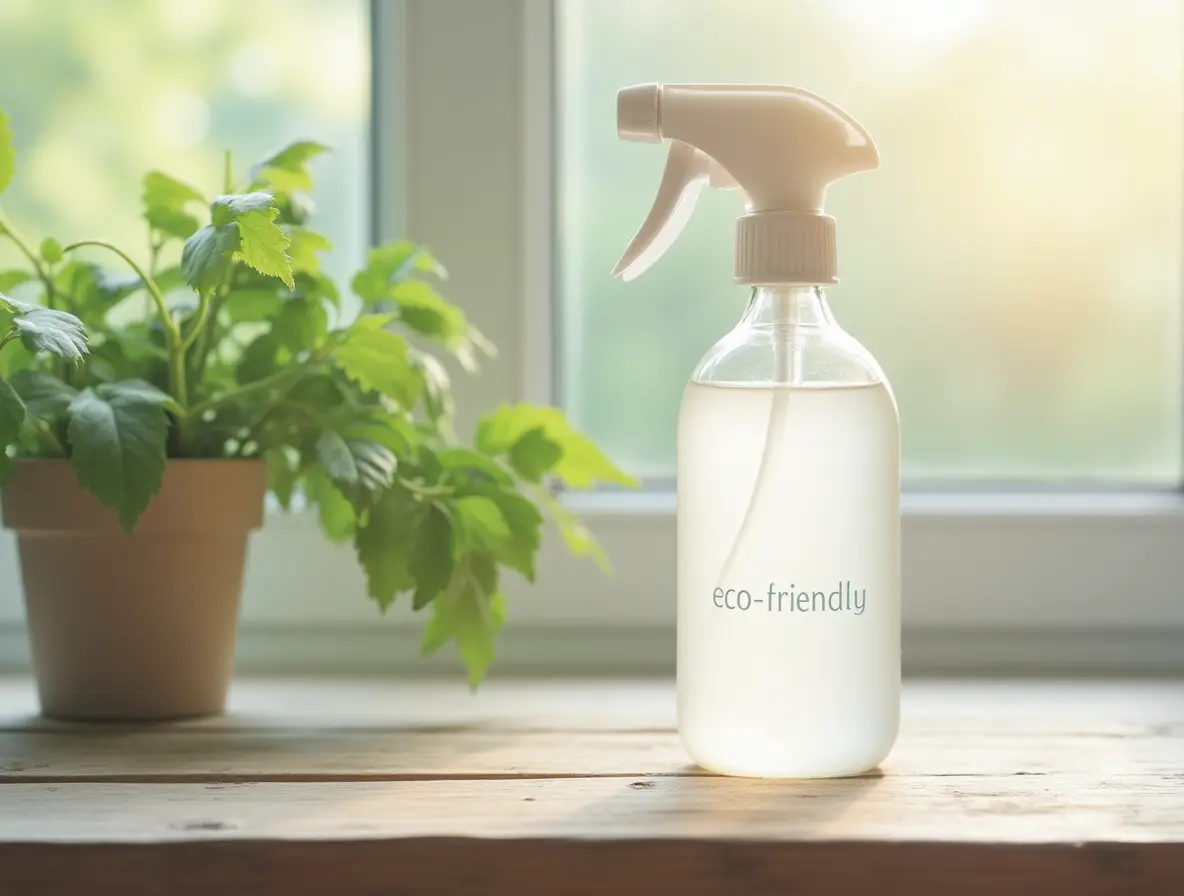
x: 788, y: 450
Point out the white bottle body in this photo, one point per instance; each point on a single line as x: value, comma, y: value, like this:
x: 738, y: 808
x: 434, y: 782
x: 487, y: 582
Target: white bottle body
x: 789, y: 622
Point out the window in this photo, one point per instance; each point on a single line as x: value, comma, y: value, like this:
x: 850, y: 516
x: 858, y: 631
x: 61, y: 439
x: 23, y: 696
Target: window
x: 1035, y: 351
x: 98, y: 95
x: 1014, y: 264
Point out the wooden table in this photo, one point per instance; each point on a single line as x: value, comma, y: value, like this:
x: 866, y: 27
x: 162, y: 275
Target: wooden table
x: 582, y: 787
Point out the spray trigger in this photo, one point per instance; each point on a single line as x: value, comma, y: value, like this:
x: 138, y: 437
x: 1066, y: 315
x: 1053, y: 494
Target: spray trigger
x: 687, y: 170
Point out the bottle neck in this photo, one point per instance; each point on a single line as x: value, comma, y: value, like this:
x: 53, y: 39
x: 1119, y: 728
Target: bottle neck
x: 793, y: 306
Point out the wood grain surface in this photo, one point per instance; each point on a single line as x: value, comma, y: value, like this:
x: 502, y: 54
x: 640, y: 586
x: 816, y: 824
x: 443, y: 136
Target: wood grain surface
x: 582, y: 787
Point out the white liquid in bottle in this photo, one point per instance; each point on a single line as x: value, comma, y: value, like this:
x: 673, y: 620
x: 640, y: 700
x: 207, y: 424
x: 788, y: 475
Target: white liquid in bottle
x: 788, y: 639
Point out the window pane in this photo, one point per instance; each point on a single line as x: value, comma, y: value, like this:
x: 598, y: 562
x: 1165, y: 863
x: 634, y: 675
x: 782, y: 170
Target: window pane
x: 100, y: 93
x: 1014, y: 264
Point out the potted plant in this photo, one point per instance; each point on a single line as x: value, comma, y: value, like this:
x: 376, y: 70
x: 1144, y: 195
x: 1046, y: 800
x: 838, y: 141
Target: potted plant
x: 146, y: 408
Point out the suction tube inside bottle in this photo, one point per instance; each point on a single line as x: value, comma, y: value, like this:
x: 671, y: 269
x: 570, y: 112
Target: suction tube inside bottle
x: 787, y: 373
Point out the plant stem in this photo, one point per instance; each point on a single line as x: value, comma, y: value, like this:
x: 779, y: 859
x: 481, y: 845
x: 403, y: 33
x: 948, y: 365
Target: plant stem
x: 14, y: 334
x: 425, y: 491
x: 268, y: 382
x: 227, y: 172
x: 8, y: 230
x: 171, y: 330
x: 48, y: 438
x: 195, y: 329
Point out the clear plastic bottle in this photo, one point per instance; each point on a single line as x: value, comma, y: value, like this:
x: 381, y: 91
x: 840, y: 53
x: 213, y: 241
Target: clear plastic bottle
x: 788, y: 547
x: 788, y: 449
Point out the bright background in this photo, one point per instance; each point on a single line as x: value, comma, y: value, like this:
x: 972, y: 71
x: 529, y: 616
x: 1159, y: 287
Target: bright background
x: 99, y: 93
x: 1014, y: 264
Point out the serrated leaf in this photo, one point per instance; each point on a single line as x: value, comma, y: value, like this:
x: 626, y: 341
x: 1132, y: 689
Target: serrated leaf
x: 579, y: 539
x: 303, y: 249
x: 12, y: 415
x: 287, y: 168
x: 379, y: 360
x: 233, y: 206
x: 356, y: 462
x: 164, y: 199
x: 138, y: 390
x: 383, y: 544
x: 470, y: 462
x: 524, y: 522
x: 534, y: 454
x: 470, y: 616
x: 117, y: 444
x: 46, y: 397
x: 207, y: 256
x: 482, y: 522
x: 7, y: 153
x: 432, y: 557
x: 392, y: 264
x: 262, y: 245
x: 437, y: 391
x: 282, y: 474
x: 335, y: 514
x: 51, y: 250
x: 47, y: 330
x: 582, y: 465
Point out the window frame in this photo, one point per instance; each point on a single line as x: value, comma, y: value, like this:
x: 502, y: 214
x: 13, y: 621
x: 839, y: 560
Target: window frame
x: 997, y: 580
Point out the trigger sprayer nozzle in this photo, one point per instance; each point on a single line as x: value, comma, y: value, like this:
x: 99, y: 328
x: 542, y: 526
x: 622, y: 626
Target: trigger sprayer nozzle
x: 781, y: 146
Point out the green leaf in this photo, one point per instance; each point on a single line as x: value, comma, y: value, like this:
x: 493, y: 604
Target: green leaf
x: 117, y: 438
x: 300, y: 325
x: 432, y: 558
x: 46, y: 330
x: 138, y: 390
x: 234, y: 206
x: 468, y: 461
x: 580, y: 541
x: 356, y: 462
x: 7, y: 154
x: 251, y: 305
x: 169, y: 279
x: 437, y: 392
x: 391, y: 264
x: 208, y: 255
x: 12, y: 415
x: 384, y: 542
x: 164, y: 200
x: 482, y: 522
x: 51, y: 250
x: 303, y: 249
x: 287, y: 168
x: 46, y: 397
x: 259, y: 359
x: 282, y: 474
x: 379, y: 360
x: 336, y: 515
x: 262, y: 245
x: 470, y: 616
x: 582, y: 465
x: 10, y: 280
x: 534, y: 454
x: 524, y: 522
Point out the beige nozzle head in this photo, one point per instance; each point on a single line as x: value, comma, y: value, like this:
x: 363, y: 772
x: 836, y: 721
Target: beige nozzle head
x: 639, y: 113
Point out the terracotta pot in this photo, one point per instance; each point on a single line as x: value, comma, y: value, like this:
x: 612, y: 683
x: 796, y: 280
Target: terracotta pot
x: 137, y: 626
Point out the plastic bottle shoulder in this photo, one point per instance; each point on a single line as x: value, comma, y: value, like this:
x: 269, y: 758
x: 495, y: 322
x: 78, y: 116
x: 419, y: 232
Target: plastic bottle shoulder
x: 805, y: 357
